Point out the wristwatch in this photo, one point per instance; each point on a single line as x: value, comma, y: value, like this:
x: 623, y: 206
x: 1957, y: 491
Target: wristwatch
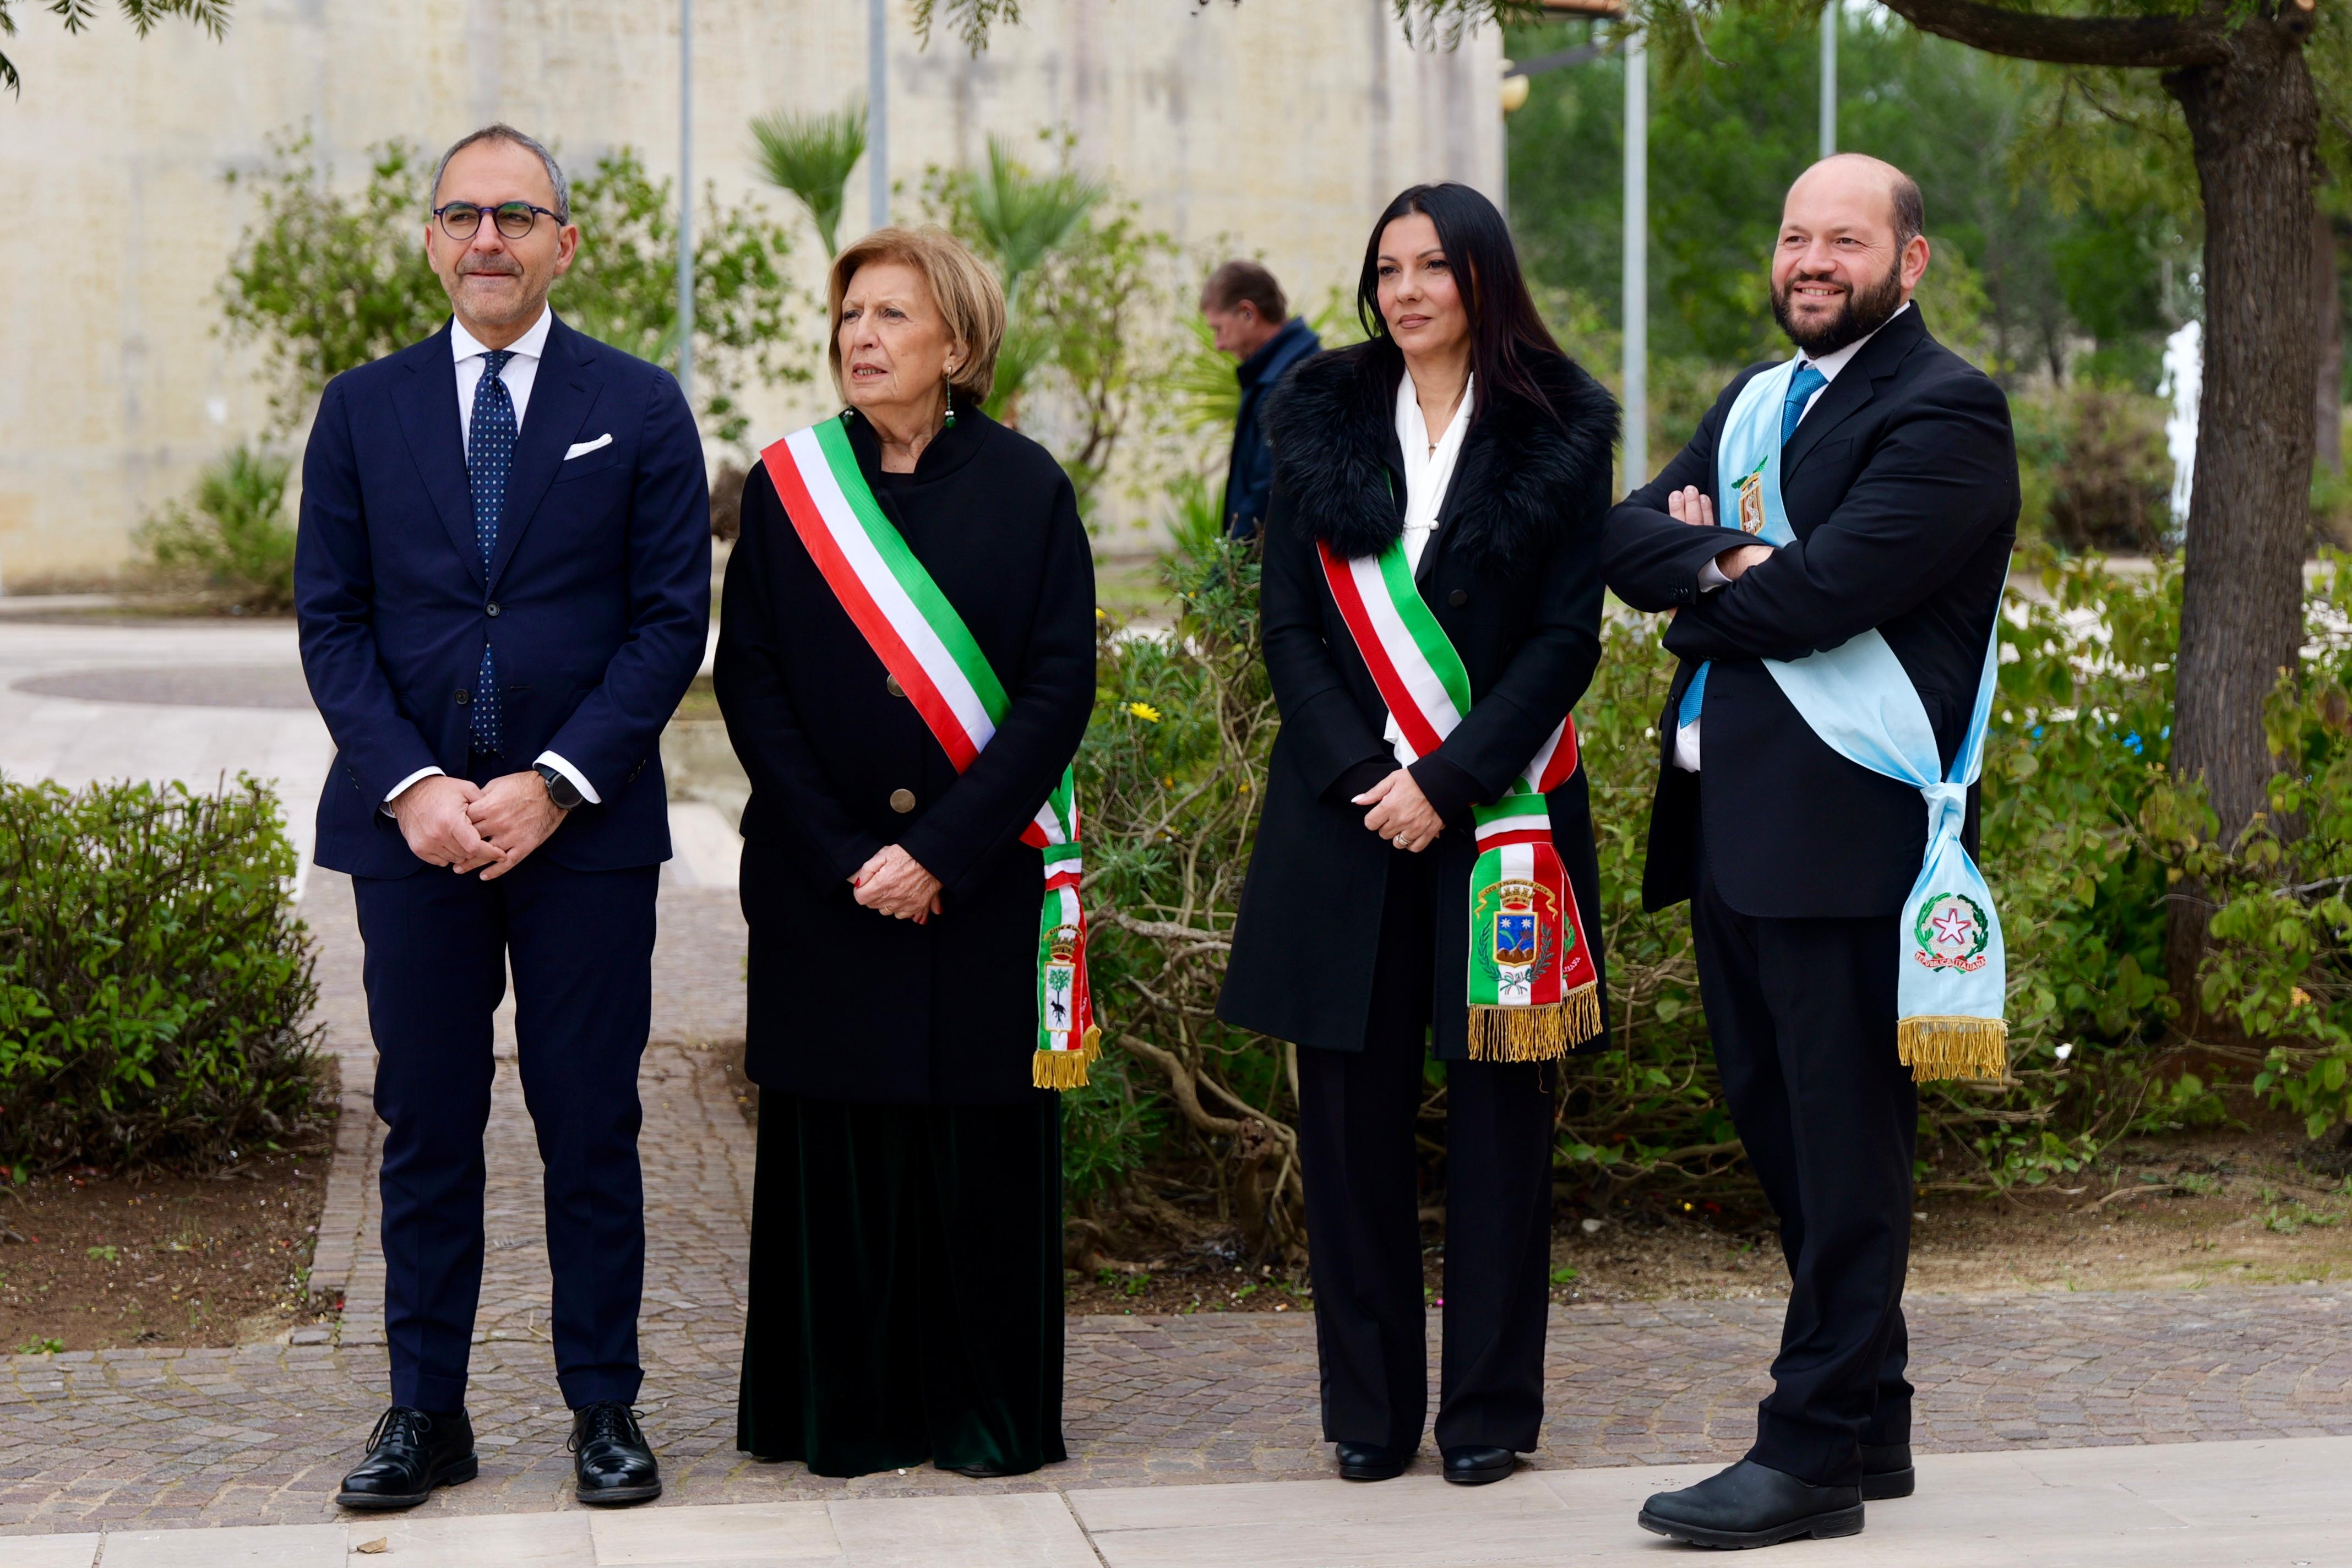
x: 561, y: 790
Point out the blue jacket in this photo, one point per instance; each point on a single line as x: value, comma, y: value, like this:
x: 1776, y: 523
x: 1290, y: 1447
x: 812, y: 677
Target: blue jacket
x: 597, y: 601
x: 1249, y: 477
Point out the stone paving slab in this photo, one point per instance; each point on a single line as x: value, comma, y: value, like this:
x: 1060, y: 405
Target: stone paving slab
x: 2278, y: 1504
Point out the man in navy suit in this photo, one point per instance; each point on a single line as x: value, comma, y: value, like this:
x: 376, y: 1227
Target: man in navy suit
x: 503, y: 579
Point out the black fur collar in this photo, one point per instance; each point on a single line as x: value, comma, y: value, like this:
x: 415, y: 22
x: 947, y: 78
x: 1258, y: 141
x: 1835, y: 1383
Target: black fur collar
x: 1522, y: 474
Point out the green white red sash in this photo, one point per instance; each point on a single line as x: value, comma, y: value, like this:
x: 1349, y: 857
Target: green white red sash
x: 1534, y: 990
x: 925, y: 645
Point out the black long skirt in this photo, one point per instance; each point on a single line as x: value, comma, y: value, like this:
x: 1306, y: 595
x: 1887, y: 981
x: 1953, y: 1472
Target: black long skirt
x: 905, y: 1287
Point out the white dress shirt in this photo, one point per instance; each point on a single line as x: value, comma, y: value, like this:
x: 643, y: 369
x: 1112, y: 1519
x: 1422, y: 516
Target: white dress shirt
x: 519, y: 372
x: 1427, y: 473
x: 1710, y: 576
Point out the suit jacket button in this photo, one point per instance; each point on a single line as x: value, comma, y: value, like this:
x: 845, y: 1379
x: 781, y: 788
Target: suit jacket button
x: 492, y: 611
x: 890, y: 684
x: 464, y: 698
x: 902, y: 801
x: 1459, y: 597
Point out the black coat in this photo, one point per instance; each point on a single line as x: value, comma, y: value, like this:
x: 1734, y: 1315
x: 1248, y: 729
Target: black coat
x: 1901, y: 489
x: 1249, y: 473
x: 846, y: 1004
x: 1513, y: 574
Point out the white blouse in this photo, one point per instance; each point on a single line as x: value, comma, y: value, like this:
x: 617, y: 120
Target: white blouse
x: 1427, y: 475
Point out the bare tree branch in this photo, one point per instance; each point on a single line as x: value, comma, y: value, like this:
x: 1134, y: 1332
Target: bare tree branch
x: 2160, y: 42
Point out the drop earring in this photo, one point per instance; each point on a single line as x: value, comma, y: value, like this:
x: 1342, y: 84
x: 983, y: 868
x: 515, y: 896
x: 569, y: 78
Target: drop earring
x: 949, y: 376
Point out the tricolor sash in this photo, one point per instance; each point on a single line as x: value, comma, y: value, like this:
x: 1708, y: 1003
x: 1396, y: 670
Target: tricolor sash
x: 1951, y: 993
x: 1533, y: 988
x: 925, y: 645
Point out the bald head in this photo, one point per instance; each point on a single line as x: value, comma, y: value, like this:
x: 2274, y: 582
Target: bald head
x: 1851, y: 248
x: 1854, y: 173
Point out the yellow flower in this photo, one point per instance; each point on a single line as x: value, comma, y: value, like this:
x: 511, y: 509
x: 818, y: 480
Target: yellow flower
x: 1101, y: 614
x: 2302, y: 997
x: 1145, y: 712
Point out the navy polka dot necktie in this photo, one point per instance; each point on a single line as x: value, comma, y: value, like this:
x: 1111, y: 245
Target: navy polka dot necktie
x: 489, y: 454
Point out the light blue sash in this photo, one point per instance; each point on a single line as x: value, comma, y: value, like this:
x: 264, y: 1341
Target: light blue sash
x: 1860, y: 700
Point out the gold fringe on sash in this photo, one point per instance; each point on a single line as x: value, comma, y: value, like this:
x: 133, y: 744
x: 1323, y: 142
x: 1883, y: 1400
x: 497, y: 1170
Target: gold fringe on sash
x: 1065, y: 1069
x: 1935, y: 1047
x: 1535, y: 1033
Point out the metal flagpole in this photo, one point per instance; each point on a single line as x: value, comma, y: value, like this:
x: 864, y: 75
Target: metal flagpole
x: 1828, y: 77
x: 685, y: 199
x: 1637, y: 262
x: 877, y: 115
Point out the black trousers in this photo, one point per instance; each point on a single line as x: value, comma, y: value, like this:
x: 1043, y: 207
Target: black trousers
x: 1356, y: 1136
x: 905, y: 1287
x: 1802, y: 1015
x: 439, y: 947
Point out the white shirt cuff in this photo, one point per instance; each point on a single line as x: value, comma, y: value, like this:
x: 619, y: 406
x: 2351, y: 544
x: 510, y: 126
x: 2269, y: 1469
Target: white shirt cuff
x: 579, y: 780
x: 398, y: 789
x: 1711, y: 578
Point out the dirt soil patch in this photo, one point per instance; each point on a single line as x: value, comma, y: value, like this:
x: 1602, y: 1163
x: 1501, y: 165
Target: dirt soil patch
x: 2177, y: 1211
x: 109, y: 1261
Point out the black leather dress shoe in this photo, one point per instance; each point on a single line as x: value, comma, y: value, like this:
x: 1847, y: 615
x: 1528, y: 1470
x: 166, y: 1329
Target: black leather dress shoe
x: 611, y: 1460
x: 1470, y: 1465
x: 1366, y: 1462
x: 1750, y: 1505
x: 1886, y: 1472
x: 410, y: 1453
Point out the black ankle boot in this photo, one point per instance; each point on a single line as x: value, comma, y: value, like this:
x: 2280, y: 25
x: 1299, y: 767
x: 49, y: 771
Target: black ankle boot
x: 411, y: 1452
x: 1886, y: 1471
x: 1750, y: 1505
x: 1470, y: 1464
x: 1370, y: 1462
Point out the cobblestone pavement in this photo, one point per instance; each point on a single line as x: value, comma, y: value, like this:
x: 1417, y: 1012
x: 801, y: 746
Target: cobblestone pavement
x: 160, y: 1438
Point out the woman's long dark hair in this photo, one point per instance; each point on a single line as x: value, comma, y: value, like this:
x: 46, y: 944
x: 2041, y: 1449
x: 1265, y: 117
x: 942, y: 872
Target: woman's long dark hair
x: 1505, y: 330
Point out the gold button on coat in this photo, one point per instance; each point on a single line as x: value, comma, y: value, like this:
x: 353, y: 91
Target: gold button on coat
x: 890, y: 684
x: 902, y: 801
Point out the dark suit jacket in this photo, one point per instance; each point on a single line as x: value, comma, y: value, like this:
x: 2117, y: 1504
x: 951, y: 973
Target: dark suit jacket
x: 597, y: 601
x: 1249, y: 473
x: 846, y: 1004
x: 1901, y: 488
x: 1513, y: 573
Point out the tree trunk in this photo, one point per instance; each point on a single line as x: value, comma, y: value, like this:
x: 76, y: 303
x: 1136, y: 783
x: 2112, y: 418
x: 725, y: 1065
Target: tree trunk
x: 2328, y: 406
x: 2253, y: 124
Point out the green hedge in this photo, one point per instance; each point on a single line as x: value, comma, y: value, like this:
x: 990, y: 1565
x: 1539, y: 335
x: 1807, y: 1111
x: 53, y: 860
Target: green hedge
x: 153, y: 981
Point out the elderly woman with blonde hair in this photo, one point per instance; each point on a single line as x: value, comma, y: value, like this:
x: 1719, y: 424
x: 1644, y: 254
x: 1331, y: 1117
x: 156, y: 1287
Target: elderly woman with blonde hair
x: 906, y: 663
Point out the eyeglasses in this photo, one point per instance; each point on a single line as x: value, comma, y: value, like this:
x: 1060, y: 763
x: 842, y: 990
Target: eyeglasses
x: 461, y: 220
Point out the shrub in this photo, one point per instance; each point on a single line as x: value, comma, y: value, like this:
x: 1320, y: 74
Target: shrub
x: 232, y: 537
x: 153, y: 978
x: 2082, y: 841
x: 2280, y: 968
x: 2096, y: 472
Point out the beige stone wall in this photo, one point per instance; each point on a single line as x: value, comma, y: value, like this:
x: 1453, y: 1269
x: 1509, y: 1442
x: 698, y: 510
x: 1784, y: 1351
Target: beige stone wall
x: 1280, y: 125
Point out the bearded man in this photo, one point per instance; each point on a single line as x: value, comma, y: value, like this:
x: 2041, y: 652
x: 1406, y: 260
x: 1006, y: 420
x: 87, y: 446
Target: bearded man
x: 503, y: 582
x: 1868, y: 493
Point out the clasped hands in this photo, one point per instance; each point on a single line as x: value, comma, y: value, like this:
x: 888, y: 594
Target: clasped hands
x: 894, y: 883
x: 490, y: 828
x: 1400, y: 812
x: 1693, y: 506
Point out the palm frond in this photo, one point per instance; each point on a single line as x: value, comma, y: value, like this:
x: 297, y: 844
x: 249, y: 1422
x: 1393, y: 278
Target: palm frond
x: 1022, y: 217
x: 812, y: 155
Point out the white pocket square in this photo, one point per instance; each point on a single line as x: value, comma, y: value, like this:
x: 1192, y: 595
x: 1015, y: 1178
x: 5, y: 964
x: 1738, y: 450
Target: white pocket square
x: 582, y: 448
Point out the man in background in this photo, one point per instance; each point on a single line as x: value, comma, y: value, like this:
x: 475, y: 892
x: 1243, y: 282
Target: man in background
x: 1245, y: 310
